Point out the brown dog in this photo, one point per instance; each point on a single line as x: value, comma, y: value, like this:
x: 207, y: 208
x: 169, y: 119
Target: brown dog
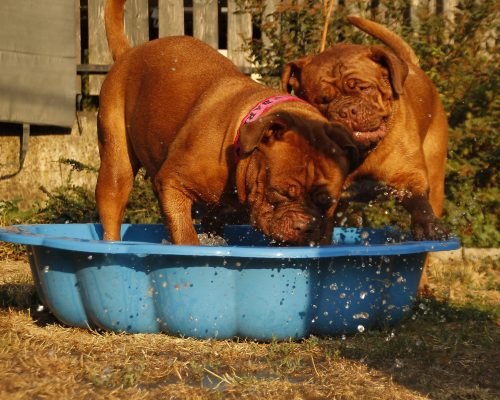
x: 174, y: 106
x: 396, y: 117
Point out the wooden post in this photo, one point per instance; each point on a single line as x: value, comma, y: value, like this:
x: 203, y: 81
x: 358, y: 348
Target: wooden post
x: 136, y: 26
x: 170, y: 17
x: 239, y: 29
x: 206, y: 21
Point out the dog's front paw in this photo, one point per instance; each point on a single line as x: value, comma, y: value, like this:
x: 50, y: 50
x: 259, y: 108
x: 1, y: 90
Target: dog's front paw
x: 429, y: 229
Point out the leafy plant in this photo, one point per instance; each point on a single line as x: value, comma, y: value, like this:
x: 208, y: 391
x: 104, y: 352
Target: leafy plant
x: 70, y: 203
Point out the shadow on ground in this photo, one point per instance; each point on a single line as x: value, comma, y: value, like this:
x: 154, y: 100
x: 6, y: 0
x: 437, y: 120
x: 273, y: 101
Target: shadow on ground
x: 443, y: 351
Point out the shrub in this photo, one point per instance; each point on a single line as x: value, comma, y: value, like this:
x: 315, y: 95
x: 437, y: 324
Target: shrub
x: 71, y: 203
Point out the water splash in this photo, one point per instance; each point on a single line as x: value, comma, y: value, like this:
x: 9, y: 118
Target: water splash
x: 361, y: 315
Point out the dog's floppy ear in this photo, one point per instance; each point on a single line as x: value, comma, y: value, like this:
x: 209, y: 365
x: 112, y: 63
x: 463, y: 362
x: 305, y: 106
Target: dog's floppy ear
x: 341, y: 135
x: 262, y: 129
x: 290, y: 76
x: 398, y: 69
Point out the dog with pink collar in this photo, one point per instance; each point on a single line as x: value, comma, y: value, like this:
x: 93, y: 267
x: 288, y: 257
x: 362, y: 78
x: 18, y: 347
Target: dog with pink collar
x: 207, y: 134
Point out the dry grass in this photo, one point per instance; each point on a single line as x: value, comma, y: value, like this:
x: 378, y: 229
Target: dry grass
x: 449, y: 349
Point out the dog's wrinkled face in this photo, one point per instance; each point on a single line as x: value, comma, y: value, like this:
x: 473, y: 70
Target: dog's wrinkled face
x: 293, y: 176
x: 351, y: 84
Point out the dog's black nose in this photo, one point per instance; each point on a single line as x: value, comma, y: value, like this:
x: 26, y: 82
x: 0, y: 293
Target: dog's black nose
x: 306, y: 228
x: 348, y: 112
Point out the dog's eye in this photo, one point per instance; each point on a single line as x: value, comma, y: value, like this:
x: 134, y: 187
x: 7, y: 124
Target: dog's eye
x: 325, y: 94
x: 351, y: 83
x: 323, y: 99
x: 293, y: 192
x: 322, y: 199
x: 362, y: 87
x: 365, y: 87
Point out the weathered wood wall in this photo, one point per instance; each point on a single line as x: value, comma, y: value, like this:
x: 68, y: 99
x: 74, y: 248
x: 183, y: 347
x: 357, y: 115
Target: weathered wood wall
x: 41, y: 166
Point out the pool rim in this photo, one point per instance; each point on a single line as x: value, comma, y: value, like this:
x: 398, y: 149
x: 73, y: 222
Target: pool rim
x: 20, y: 234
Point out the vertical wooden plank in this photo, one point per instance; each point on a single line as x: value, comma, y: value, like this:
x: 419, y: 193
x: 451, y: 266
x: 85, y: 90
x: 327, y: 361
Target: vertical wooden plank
x: 136, y: 27
x: 432, y: 7
x: 78, y: 45
x: 137, y: 21
x: 239, y: 30
x: 206, y: 21
x: 449, y: 8
x: 414, y: 12
x: 98, y: 47
x: 170, y: 17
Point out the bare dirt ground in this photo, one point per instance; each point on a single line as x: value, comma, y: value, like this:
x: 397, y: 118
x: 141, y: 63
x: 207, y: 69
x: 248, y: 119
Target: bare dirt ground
x: 448, y: 349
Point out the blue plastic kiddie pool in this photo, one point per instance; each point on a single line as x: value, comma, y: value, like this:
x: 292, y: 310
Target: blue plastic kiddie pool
x: 247, y: 288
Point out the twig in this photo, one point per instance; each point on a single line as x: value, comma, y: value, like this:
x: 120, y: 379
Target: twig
x: 327, y: 12
x: 314, y: 365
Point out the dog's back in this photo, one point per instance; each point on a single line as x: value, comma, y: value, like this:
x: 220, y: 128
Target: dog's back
x: 155, y: 87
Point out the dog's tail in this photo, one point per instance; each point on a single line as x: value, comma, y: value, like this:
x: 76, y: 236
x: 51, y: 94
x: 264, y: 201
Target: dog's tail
x: 386, y: 36
x: 115, y: 30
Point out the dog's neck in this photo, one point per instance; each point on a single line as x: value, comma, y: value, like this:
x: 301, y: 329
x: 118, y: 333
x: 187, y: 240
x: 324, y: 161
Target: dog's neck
x: 259, y: 109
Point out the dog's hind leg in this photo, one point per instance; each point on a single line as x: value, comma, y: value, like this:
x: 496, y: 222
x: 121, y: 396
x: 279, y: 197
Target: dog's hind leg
x: 116, y: 175
x: 435, y: 152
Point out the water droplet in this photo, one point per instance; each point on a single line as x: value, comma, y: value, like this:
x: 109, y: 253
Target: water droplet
x: 90, y: 257
x: 361, y: 315
x: 361, y: 328
x: 40, y: 308
x: 362, y: 295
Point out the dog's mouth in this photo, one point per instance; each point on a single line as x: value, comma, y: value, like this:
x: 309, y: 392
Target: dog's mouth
x: 370, y: 138
x: 288, y: 231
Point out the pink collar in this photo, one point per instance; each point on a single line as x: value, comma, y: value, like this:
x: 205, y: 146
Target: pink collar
x: 260, y: 108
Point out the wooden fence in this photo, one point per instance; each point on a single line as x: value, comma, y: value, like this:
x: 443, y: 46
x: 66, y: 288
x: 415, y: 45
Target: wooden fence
x: 168, y: 17
x: 214, y: 22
